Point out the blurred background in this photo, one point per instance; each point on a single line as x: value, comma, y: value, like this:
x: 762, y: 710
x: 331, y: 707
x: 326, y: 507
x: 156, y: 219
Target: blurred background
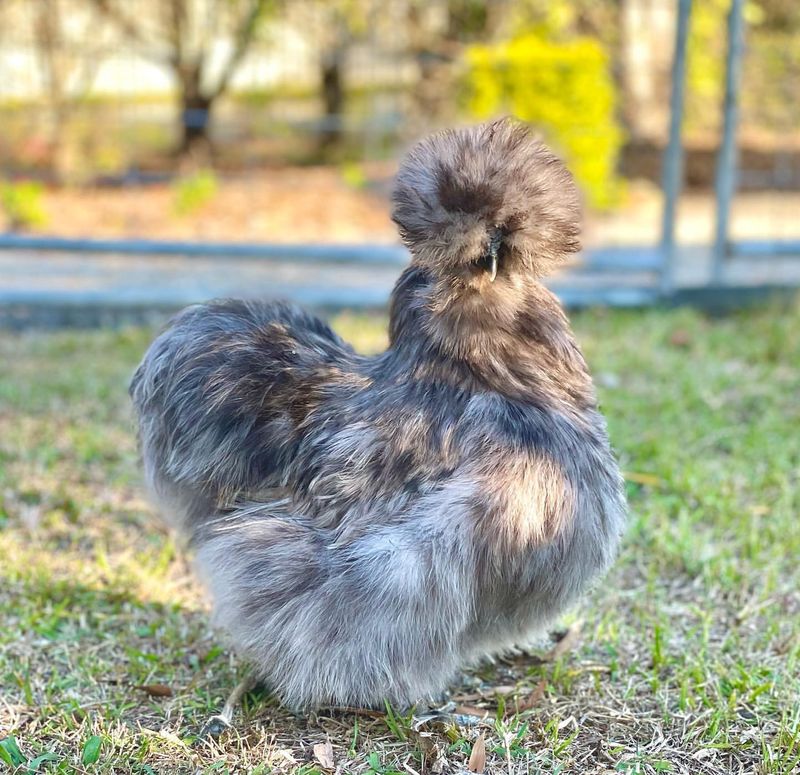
x: 157, y: 152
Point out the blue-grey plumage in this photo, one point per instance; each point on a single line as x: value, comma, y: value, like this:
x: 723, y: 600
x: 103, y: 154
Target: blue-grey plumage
x: 369, y: 525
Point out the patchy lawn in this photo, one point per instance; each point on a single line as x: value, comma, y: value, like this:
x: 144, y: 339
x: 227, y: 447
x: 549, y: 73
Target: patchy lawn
x: 688, y: 657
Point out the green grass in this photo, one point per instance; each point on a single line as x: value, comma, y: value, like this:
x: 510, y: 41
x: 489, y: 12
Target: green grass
x: 689, y: 658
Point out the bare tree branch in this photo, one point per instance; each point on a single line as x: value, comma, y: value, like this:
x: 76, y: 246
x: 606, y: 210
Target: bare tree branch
x: 176, y: 44
x: 132, y: 29
x: 243, y: 37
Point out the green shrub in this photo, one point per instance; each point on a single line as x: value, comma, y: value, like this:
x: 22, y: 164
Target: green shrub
x: 564, y: 89
x: 770, y: 69
x: 22, y: 204
x: 192, y: 192
x: 706, y: 49
x: 353, y: 175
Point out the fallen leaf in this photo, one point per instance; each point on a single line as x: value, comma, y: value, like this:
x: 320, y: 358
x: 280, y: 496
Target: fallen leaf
x: 287, y: 754
x: 528, y: 703
x: 156, y: 690
x: 640, y: 478
x: 504, y: 689
x: 324, y: 754
x: 680, y: 338
x: 165, y: 735
x: 471, y: 710
x: 477, y: 759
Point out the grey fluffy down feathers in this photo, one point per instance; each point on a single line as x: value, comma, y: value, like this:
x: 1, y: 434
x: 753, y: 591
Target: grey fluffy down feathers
x: 368, y: 526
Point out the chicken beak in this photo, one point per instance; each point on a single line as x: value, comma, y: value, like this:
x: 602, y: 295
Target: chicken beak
x: 495, y: 241
x: 493, y: 267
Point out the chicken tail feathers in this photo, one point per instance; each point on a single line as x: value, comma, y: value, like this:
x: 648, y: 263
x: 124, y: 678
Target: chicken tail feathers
x: 219, y: 397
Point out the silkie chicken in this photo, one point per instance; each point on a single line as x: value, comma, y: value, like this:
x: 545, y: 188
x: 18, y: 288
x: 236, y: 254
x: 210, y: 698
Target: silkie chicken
x: 370, y: 525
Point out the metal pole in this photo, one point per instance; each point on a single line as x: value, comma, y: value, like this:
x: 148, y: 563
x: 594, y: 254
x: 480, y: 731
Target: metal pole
x: 388, y: 255
x: 673, y: 157
x: 726, y: 160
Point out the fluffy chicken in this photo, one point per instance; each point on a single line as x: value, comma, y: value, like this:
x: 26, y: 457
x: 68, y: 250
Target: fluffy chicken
x: 369, y: 525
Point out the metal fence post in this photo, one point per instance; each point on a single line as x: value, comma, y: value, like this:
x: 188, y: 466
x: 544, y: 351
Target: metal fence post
x: 726, y: 160
x: 673, y: 156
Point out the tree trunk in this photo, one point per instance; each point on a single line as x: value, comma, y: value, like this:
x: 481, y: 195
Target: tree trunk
x: 332, y: 100
x: 195, y: 123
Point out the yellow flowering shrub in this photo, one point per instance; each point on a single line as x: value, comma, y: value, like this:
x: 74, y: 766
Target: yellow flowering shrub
x: 565, y: 90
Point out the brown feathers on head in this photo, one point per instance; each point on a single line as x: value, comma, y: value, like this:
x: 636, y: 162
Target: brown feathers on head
x: 461, y: 193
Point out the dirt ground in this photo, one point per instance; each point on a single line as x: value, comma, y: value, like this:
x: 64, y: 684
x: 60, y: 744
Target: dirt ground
x: 330, y: 204
x: 290, y: 204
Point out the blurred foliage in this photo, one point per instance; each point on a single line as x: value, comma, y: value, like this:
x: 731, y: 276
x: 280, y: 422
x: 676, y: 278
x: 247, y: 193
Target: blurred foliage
x: 772, y: 90
x: 21, y: 204
x: 181, y: 35
x: 394, y: 71
x: 194, y: 191
x: 560, y: 18
x: 563, y: 88
x: 353, y: 175
x: 706, y: 49
x: 771, y: 70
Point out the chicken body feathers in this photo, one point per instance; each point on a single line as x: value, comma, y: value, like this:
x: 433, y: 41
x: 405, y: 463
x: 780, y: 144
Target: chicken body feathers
x: 369, y: 525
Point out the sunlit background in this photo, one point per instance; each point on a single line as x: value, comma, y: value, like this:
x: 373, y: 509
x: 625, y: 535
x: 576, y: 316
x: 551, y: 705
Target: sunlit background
x: 266, y: 123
